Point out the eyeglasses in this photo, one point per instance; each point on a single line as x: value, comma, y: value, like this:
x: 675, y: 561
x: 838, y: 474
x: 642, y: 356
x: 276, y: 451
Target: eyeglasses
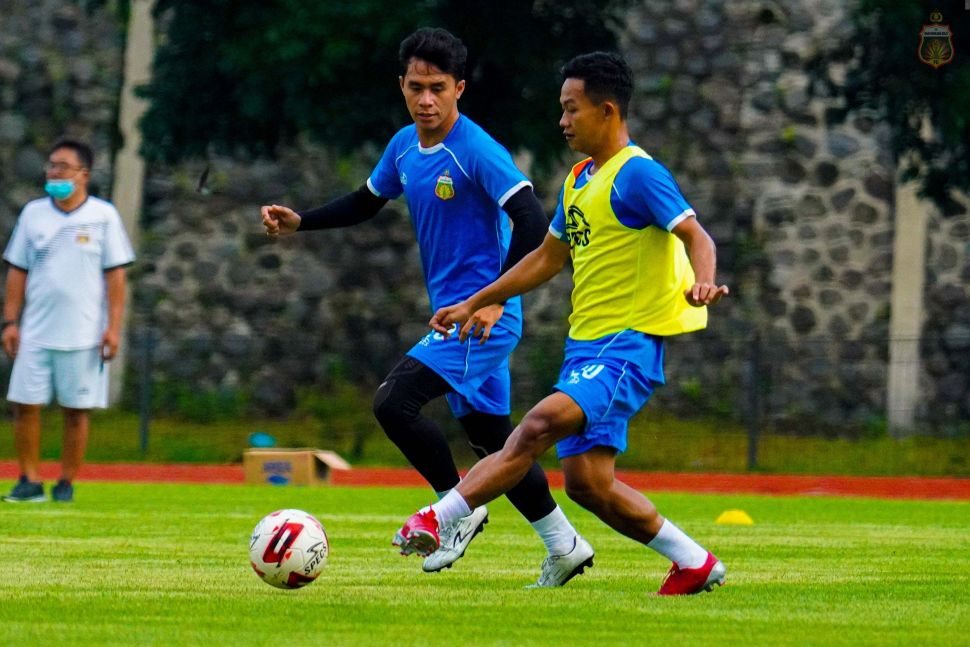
x: 61, y: 167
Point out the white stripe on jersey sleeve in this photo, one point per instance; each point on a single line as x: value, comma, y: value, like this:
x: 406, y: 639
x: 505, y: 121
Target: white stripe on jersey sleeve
x: 679, y: 219
x: 372, y: 189
x: 515, y: 189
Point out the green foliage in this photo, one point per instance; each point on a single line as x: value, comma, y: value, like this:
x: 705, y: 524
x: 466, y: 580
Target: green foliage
x: 195, y: 404
x: 247, y: 76
x: 658, y: 441
x: 888, y: 77
x: 344, y: 415
x: 788, y: 136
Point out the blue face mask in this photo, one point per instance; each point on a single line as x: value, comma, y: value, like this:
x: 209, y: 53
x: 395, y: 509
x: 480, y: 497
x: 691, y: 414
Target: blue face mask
x: 59, y: 189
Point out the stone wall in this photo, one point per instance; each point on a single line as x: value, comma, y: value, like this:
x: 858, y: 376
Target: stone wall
x: 738, y: 99
x: 60, y: 74
x: 946, y: 333
x: 235, y: 309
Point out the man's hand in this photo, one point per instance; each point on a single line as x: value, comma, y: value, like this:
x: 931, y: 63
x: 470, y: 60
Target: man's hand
x: 109, y: 344
x: 705, y: 294
x: 279, y: 221
x: 480, y: 323
x: 445, y: 318
x: 11, y: 340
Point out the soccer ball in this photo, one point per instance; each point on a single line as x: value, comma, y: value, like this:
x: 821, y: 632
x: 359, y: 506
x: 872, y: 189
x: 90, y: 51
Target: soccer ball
x: 288, y: 549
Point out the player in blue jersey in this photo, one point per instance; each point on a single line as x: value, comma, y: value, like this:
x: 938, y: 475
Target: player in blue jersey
x: 462, y: 188
x: 643, y: 270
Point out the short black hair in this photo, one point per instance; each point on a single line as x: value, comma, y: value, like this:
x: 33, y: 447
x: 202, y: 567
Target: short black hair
x: 605, y: 75
x: 84, y: 152
x: 437, y: 46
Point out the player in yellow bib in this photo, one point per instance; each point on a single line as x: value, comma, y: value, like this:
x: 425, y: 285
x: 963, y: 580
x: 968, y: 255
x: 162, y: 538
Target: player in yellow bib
x: 643, y: 269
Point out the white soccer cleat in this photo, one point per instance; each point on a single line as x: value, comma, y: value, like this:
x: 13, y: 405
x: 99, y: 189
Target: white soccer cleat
x: 559, y: 569
x: 455, y: 538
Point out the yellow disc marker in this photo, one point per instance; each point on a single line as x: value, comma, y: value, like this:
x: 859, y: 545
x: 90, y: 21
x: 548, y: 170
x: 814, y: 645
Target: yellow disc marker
x: 735, y: 517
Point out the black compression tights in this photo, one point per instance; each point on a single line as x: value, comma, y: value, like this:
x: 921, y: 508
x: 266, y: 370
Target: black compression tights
x: 397, y: 404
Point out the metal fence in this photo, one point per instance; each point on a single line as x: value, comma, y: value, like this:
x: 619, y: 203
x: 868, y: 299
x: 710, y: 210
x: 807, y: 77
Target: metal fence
x: 751, y: 401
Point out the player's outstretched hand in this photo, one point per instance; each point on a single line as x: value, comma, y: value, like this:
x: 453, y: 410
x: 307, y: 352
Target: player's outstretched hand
x: 445, y: 318
x: 705, y: 294
x: 279, y: 221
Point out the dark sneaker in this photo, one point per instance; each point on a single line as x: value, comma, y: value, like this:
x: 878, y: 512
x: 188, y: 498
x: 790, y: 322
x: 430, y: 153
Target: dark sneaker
x: 63, y: 492
x: 26, y: 492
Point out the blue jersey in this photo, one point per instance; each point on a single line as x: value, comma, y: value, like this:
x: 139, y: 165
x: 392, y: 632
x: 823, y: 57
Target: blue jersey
x: 455, y: 191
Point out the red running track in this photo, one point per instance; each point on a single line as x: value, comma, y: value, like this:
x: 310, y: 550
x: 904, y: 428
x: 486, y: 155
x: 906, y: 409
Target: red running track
x: 888, y: 487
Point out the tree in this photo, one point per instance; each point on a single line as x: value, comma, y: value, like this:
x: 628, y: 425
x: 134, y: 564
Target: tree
x: 247, y: 76
x: 887, y: 76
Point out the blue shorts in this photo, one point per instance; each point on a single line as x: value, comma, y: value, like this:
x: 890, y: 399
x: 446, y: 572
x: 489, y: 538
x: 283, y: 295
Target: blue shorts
x: 610, y: 379
x: 479, y: 373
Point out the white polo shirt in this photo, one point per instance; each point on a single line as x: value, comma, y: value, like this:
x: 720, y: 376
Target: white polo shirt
x: 65, y: 256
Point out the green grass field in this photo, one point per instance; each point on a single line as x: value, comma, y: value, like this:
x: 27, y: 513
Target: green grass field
x: 168, y: 564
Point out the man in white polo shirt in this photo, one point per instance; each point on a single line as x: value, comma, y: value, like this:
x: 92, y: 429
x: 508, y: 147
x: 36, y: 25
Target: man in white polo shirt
x: 62, y: 313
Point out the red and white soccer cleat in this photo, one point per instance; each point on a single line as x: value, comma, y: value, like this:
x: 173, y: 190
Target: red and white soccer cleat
x: 419, y: 534
x: 687, y: 581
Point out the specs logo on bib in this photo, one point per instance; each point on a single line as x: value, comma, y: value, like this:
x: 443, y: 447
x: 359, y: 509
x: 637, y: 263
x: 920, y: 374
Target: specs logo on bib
x: 577, y: 227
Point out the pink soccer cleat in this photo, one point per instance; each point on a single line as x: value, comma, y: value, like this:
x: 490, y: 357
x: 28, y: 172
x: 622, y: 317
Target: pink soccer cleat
x: 688, y: 581
x: 419, y: 534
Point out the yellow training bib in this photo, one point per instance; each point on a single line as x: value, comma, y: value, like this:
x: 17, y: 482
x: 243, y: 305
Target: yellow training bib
x: 623, y: 278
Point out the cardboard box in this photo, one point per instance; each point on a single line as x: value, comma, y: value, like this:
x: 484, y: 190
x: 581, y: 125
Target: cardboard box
x: 300, y: 466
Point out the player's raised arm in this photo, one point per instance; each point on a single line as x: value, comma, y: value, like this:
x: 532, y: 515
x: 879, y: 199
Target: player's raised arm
x: 529, y: 273
x: 349, y: 209
x: 703, y: 258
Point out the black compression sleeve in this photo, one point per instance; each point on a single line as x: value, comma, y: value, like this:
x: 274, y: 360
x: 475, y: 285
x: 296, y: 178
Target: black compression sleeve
x: 529, y: 225
x: 350, y: 209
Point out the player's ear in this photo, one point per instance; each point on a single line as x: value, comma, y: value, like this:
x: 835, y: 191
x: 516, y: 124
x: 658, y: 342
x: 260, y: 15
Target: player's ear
x: 400, y: 80
x: 459, y: 88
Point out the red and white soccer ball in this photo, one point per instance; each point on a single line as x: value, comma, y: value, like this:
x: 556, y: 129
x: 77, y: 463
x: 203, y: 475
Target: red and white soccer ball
x: 288, y: 549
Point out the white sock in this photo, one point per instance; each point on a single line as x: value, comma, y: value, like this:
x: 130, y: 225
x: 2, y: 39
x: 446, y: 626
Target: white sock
x: 675, y: 545
x: 451, y: 508
x: 443, y: 494
x: 556, y: 532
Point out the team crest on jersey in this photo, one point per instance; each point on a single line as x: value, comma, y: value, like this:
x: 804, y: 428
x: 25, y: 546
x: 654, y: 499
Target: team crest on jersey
x: 445, y: 187
x: 82, y: 238
x: 577, y: 227
x: 935, y: 42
